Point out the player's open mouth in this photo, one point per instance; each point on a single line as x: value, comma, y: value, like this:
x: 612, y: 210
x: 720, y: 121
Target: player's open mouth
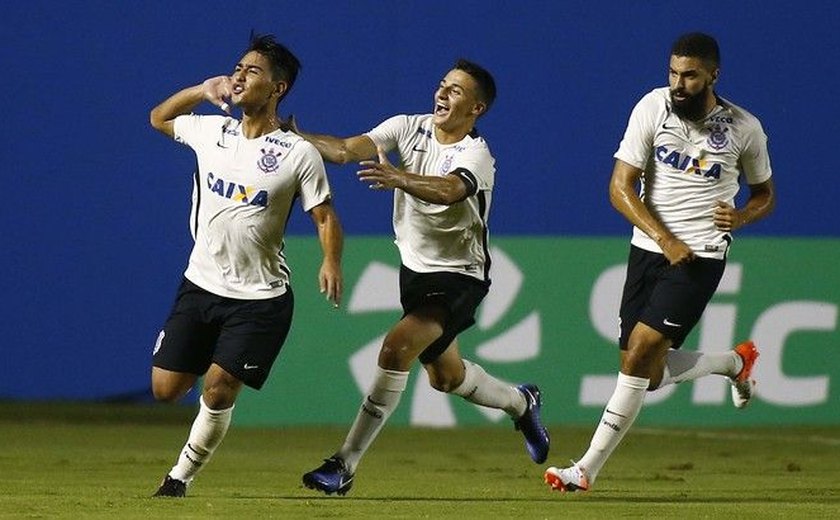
x: 441, y: 110
x: 237, y: 89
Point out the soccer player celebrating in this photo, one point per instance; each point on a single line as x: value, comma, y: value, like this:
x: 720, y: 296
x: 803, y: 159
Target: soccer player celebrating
x: 441, y: 205
x: 687, y: 147
x: 234, y: 307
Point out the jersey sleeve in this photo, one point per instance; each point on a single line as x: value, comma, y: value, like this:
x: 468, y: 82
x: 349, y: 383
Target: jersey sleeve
x: 476, y: 168
x: 388, y: 133
x: 194, y: 130
x: 313, y: 186
x: 638, y: 138
x: 186, y: 127
x: 754, y: 161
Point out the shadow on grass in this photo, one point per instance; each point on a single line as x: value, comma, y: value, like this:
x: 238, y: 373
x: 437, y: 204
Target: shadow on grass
x: 556, y: 497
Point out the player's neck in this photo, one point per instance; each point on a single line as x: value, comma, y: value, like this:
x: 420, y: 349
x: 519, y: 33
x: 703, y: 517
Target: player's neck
x: 711, y: 103
x: 256, y: 125
x: 451, y: 135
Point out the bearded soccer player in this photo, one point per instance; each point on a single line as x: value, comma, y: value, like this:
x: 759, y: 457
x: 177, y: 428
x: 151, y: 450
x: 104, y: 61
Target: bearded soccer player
x: 234, y: 307
x: 687, y: 147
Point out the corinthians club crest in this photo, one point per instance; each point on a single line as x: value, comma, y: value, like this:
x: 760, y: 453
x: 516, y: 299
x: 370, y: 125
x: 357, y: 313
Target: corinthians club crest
x: 717, y: 138
x: 269, y: 163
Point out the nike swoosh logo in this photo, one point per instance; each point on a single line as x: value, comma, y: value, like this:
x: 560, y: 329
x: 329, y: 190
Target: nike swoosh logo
x: 250, y: 367
x: 666, y: 127
x: 670, y: 323
x: 416, y: 149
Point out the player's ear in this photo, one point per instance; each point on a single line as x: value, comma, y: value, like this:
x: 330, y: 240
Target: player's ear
x: 479, y: 108
x: 280, y: 88
x: 715, y: 75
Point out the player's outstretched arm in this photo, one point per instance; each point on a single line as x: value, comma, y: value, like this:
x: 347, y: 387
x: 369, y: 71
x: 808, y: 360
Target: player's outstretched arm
x: 338, y: 150
x: 215, y: 90
x: 332, y: 242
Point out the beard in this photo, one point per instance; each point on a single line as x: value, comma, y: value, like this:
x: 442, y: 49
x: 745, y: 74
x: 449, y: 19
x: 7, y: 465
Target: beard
x: 693, y: 107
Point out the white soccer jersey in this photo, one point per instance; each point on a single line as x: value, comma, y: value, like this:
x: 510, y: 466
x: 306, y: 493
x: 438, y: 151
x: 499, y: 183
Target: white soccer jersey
x: 435, y: 237
x: 241, y: 201
x: 688, y: 166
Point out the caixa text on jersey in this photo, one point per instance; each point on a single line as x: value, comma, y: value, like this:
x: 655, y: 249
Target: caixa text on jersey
x: 237, y: 192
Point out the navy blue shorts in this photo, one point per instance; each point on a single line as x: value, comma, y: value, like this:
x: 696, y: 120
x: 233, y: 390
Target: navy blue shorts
x: 243, y: 337
x: 669, y: 299
x: 459, y: 294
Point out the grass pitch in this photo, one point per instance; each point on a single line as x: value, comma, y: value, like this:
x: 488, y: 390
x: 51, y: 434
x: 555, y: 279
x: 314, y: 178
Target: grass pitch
x: 104, y: 461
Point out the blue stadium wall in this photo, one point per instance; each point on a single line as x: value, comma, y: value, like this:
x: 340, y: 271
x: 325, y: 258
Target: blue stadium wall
x: 94, y: 217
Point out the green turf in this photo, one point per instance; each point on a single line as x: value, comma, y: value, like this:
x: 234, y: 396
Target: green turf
x: 103, y: 461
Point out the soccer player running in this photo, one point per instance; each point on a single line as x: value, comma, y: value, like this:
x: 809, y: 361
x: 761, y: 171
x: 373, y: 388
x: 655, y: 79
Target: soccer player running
x: 441, y: 204
x: 234, y: 307
x: 687, y: 147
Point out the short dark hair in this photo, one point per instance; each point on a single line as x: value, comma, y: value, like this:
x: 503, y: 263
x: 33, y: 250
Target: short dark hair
x: 486, y: 84
x: 284, y: 65
x: 697, y: 45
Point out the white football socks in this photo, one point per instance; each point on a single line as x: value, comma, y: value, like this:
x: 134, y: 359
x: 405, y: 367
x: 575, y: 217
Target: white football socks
x: 619, y: 414
x: 483, y: 389
x: 686, y: 365
x: 385, y: 394
x: 208, y: 430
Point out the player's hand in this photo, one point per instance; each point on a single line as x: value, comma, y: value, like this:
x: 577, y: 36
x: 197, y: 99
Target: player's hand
x: 330, y: 282
x: 726, y: 217
x: 217, y: 90
x: 381, y: 175
x: 676, y: 251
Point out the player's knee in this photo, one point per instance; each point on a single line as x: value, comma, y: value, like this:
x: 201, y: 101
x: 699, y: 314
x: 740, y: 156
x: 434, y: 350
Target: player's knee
x: 218, y: 398
x: 637, y: 352
x: 220, y: 393
x: 169, y: 386
x: 395, y: 355
x: 444, y: 381
x: 166, y: 393
x: 442, y: 384
x: 641, y: 358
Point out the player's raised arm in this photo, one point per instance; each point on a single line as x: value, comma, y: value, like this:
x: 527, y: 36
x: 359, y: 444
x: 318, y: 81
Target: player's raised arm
x: 215, y: 90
